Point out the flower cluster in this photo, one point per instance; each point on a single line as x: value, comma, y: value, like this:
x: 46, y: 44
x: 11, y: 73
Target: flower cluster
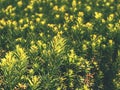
x: 59, y: 44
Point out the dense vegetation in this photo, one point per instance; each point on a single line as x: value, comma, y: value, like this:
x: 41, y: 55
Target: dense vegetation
x: 59, y: 44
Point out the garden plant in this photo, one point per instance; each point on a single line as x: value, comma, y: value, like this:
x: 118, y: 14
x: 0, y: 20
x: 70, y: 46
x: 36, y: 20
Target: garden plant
x: 59, y: 44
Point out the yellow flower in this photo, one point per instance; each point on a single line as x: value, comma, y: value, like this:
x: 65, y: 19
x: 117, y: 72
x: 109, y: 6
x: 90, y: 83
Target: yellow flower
x: 9, y: 22
x: 62, y: 9
x: 20, y: 3
x: 25, y: 26
x: 98, y: 15
x: 110, y: 26
x: 14, y: 23
x: 51, y: 4
x: 39, y: 14
x: 50, y: 25
x: 60, y: 32
x: 94, y: 36
x: 32, y: 27
x: 70, y: 71
x: 107, y: 4
x: 104, y: 46
x: 110, y: 42
x: 3, y: 22
x: 22, y: 86
x: 32, y: 42
x: 57, y: 16
x: 35, y: 65
x: 71, y: 17
x: 89, y: 25
x: 88, y: 8
x: 74, y: 3
x: 71, y: 84
x: 39, y: 42
x: 55, y: 8
x: 85, y: 87
x: 95, y: 63
x: 37, y: 19
x: 18, y: 39
x: 111, y: 1
x: 74, y: 27
x: 30, y: 7
x: 104, y: 0
x: 21, y: 21
x: 35, y: 79
x: 79, y: 2
x: 80, y: 14
x: 103, y: 20
x: 12, y: 14
x: 41, y: 34
x: 110, y: 17
x: 80, y: 20
x: 43, y: 22
x: 84, y: 47
x: 44, y: 46
x: 33, y: 48
x: 58, y: 88
x: 40, y: 8
x: 93, y: 45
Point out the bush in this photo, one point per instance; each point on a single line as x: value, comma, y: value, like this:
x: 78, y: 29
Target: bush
x: 59, y: 45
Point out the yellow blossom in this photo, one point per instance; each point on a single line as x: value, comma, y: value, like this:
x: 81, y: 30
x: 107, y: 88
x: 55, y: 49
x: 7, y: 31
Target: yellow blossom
x: 37, y: 19
x: 3, y: 22
x: 21, y: 21
x: 40, y: 8
x: 84, y: 47
x: 85, y: 87
x: 62, y: 9
x: 70, y: 71
x: 74, y: 3
x: 107, y: 4
x: 89, y: 25
x: 88, y: 8
x: 98, y: 15
x: 58, y: 88
x: 103, y: 21
x: 41, y: 34
x: 80, y: 20
x: 33, y: 48
x: 20, y: 3
x: 39, y: 43
x: 39, y: 15
x: 44, y: 46
x: 51, y: 4
x: 104, y: 46
x: 25, y: 26
x: 32, y: 27
x: 9, y: 22
x: 110, y: 42
x: 110, y: 17
x: 80, y: 14
x: 94, y: 36
x: 43, y: 22
x: 14, y: 23
x: 71, y: 17
x: 93, y: 45
x: 55, y: 8
x: 57, y: 16
x: 110, y: 26
x: 22, y: 86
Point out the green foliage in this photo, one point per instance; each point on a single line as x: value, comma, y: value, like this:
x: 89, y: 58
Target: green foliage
x: 14, y: 65
x: 59, y: 44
